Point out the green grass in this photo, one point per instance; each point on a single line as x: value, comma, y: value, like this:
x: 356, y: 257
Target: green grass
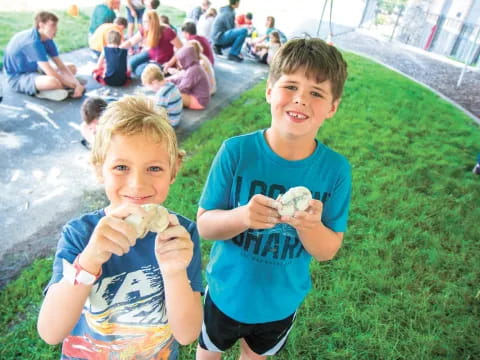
x: 72, y: 31
x: 403, y: 286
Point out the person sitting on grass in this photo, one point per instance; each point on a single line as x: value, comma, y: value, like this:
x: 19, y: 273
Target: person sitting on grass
x: 27, y: 66
x: 119, y: 291
x: 205, y: 23
x: 189, y: 30
x: 165, y: 20
x: 205, y: 63
x: 266, y: 51
x: 112, y: 63
x: 158, y: 40
x: 191, y: 80
x: 103, y: 13
x: 91, y: 110
x: 99, y: 38
x: 167, y: 94
x: 226, y: 35
x: 257, y: 302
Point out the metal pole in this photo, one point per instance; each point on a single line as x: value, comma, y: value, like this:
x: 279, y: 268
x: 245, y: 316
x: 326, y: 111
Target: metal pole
x: 321, y: 18
x: 400, y: 12
x: 468, y: 58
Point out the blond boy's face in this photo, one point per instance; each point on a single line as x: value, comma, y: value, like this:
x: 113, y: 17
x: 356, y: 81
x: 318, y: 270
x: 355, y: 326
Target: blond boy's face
x: 136, y: 170
x: 299, y: 105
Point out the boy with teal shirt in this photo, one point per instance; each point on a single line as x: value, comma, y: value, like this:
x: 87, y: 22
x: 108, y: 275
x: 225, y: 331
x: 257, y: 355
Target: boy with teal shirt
x: 258, y: 274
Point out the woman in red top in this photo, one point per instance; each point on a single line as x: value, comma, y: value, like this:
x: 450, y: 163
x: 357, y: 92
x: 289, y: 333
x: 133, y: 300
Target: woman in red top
x: 159, y: 42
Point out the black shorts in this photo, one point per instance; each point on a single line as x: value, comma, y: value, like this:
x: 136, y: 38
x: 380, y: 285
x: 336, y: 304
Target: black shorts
x: 220, y: 332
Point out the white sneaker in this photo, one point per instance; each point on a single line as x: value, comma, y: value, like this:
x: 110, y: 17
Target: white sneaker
x: 55, y: 95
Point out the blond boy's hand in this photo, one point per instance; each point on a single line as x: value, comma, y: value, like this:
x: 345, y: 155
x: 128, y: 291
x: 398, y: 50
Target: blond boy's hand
x: 173, y: 248
x: 308, y: 219
x: 112, y: 235
x: 261, y: 212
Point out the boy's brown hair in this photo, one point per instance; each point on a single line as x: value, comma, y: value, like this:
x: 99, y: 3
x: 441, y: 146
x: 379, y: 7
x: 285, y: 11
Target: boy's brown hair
x: 92, y: 108
x: 154, y: 4
x: 152, y: 72
x: 120, y: 21
x: 114, y: 37
x: 44, y: 17
x: 133, y: 115
x: 316, y: 58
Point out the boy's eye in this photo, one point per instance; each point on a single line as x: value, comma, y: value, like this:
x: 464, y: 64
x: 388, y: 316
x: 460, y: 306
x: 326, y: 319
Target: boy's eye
x: 155, y: 168
x: 121, y: 168
x: 316, y: 94
x: 291, y: 87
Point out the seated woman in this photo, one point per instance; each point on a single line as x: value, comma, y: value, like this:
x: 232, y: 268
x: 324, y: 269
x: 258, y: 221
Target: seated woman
x: 159, y: 42
x: 255, y: 45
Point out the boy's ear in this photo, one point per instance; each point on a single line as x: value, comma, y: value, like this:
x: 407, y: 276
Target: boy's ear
x: 333, y: 108
x: 268, y: 92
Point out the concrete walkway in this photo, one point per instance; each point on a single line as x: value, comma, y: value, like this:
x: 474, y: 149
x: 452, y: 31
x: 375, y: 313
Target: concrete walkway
x: 44, y: 172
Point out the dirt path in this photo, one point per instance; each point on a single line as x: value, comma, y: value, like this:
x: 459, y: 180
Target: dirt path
x: 439, y: 73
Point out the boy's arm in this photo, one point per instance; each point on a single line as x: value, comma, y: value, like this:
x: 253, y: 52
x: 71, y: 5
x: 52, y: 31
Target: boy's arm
x: 317, y: 239
x: 101, y: 60
x: 174, y: 252
x: 67, y: 78
x: 135, y: 39
x: 259, y: 213
x: 61, y: 310
x: 64, y: 302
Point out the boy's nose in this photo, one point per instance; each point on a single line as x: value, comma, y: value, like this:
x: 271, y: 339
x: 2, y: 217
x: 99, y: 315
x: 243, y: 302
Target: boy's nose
x: 135, y: 179
x: 299, y: 100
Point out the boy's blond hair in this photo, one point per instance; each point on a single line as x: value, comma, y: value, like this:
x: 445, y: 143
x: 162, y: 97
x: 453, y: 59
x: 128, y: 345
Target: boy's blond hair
x: 316, y: 58
x: 133, y: 115
x: 150, y: 73
x: 114, y: 37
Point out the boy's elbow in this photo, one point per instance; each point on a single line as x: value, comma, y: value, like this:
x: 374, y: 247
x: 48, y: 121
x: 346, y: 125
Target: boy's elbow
x: 49, y: 338
x: 45, y: 332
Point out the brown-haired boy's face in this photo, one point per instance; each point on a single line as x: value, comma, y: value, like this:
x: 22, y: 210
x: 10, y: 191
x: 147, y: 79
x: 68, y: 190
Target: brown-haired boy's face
x: 299, y: 105
x: 134, y: 174
x: 48, y: 29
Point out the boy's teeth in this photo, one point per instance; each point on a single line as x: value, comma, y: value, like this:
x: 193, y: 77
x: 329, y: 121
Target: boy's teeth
x: 296, y: 115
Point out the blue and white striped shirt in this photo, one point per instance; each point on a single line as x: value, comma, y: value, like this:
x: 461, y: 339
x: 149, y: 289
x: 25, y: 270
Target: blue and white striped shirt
x: 170, y: 98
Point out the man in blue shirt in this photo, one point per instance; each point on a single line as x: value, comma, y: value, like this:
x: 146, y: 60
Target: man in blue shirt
x: 27, y: 66
x: 226, y: 35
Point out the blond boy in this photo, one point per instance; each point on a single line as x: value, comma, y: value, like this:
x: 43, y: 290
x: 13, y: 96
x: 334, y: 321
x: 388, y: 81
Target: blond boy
x: 112, y: 295
x: 167, y: 94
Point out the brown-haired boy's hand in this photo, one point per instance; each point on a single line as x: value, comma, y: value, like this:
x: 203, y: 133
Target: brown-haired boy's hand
x: 308, y: 219
x: 112, y: 235
x: 173, y: 248
x: 261, y: 212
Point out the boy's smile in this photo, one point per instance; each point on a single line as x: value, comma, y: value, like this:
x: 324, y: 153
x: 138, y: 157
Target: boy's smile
x: 299, y: 104
x: 136, y: 170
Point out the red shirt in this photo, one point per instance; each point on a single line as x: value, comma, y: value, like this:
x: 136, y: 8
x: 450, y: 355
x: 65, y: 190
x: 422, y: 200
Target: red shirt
x: 242, y: 20
x: 207, y: 49
x: 164, y: 49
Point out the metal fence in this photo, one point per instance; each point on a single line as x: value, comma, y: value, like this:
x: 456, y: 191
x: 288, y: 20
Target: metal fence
x: 443, y: 35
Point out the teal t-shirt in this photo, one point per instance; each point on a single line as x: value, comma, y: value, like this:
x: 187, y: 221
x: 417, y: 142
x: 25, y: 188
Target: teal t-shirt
x: 263, y: 275
x: 101, y: 14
